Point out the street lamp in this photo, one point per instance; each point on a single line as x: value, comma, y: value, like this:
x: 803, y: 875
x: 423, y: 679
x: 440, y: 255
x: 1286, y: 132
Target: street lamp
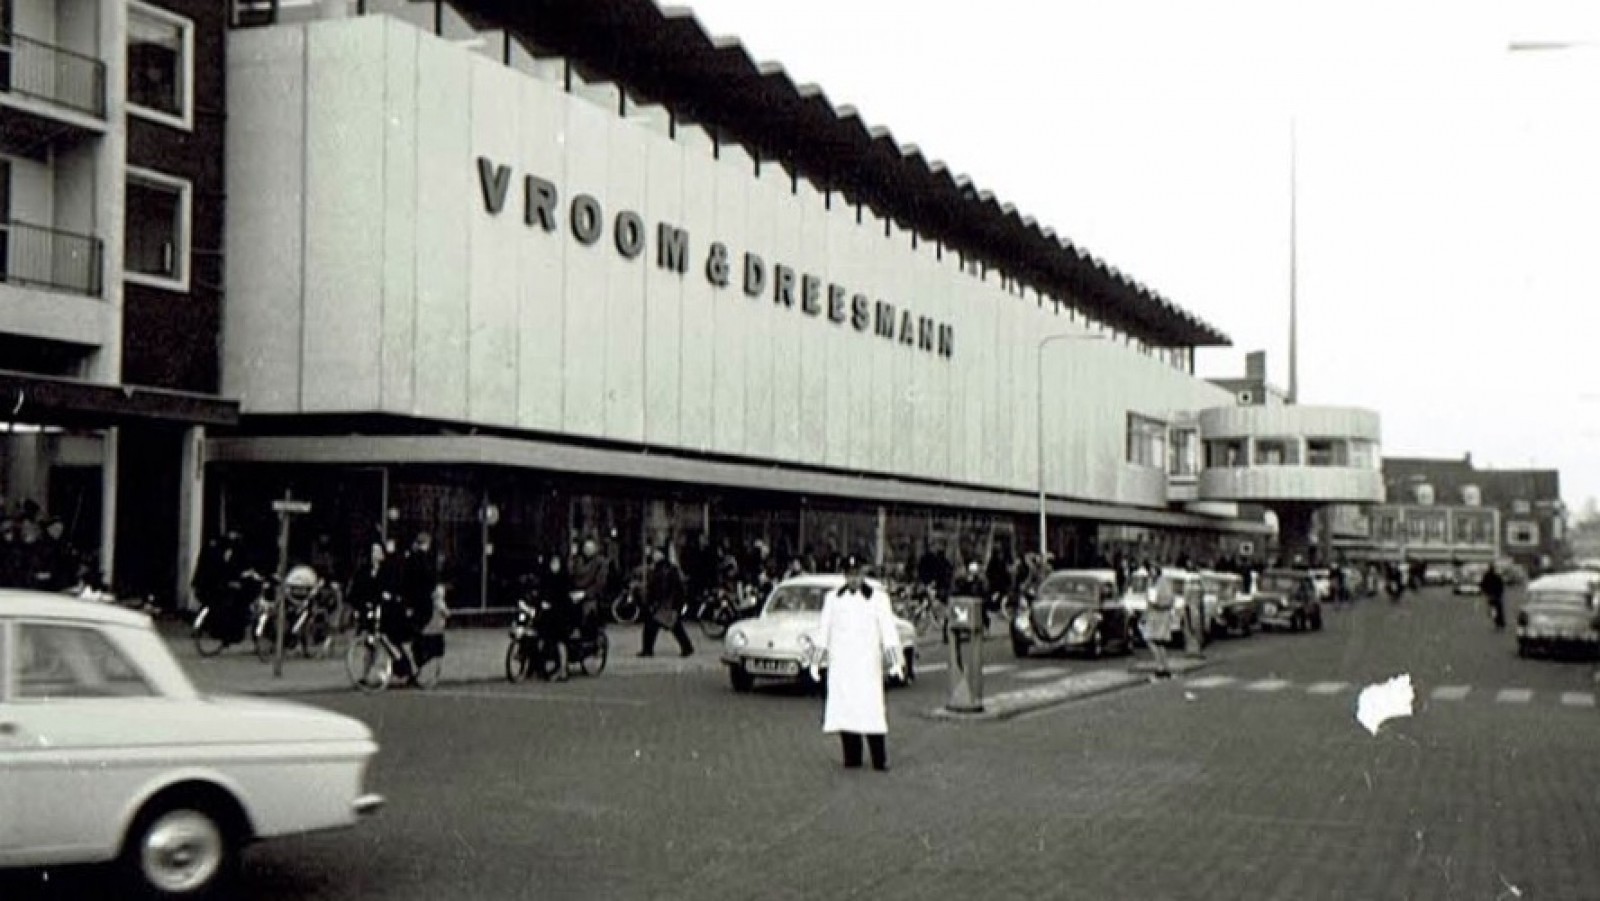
x: 1039, y: 359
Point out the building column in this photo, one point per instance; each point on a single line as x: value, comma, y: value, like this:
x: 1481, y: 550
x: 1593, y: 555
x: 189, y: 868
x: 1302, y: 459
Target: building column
x: 108, y: 505
x: 191, y: 510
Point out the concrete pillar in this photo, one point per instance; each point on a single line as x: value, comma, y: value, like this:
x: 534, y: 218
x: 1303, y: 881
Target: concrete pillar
x: 108, y: 504
x: 191, y: 510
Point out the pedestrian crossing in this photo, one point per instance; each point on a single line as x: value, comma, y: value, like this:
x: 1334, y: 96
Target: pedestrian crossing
x: 1511, y: 696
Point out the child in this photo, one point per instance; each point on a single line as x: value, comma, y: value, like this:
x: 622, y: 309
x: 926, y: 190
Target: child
x: 430, y: 644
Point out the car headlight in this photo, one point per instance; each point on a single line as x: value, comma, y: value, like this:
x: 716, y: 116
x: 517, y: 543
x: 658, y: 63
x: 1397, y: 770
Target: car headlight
x: 1081, y: 625
x: 737, y: 639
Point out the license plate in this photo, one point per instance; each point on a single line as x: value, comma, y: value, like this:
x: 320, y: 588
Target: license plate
x: 771, y: 667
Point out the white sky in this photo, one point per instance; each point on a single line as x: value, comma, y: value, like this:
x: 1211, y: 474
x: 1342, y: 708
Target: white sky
x: 1449, y: 191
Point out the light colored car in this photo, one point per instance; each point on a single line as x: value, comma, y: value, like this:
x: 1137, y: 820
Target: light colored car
x: 108, y: 753
x: 777, y: 644
x: 1561, y: 613
x: 1469, y: 578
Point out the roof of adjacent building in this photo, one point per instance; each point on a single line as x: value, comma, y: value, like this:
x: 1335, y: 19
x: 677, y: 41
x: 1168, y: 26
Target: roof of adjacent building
x: 665, y: 56
x: 1448, y: 475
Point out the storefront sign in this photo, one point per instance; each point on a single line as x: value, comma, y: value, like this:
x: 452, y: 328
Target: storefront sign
x: 586, y: 220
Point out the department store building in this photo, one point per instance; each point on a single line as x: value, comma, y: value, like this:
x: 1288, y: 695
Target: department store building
x: 522, y: 273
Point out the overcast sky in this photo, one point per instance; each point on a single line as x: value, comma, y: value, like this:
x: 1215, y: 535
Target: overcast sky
x: 1449, y: 190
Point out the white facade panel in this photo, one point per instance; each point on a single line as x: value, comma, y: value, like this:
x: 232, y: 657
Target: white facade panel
x: 492, y: 276
x: 761, y: 364
x: 730, y: 180
x: 587, y: 266
x: 623, y: 201
x: 343, y: 333
x: 663, y: 312
x: 540, y: 258
x: 787, y: 383
x: 397, y: 223
x: 697, y: 340
x: 446, y: 183
x: 812, y: 362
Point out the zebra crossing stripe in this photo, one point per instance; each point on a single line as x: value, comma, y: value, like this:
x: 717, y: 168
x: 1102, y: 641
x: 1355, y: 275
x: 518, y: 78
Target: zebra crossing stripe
x: 1209, y: 682
x: 932, y: 667
x: 1268, y: 685
x: 1577, y: 698
x: 1514, y: 696
x: 1042, y: 672
x: 1327, y: 688
x: 995, y: 669
x: 1451, y: 692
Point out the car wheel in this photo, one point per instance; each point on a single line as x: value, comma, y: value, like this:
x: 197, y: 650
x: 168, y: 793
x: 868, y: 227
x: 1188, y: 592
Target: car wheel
x: 1097, y: 645
x: 1316, y: 621
x: 180, y: 849
x: 909, y: 668
x: 740, y: 679
x: 1019, y: 649
x: 1523, y: 649
x: 595, y: 663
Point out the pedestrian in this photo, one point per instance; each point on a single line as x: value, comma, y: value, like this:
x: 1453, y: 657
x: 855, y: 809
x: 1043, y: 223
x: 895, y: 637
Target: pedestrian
x: 419, y: 577
x: 664, y: 598
x: 855, y: 640
x: 1493, y: 586
x: 589, y: 574
x: 1156, y: 625
x: 430, y: 643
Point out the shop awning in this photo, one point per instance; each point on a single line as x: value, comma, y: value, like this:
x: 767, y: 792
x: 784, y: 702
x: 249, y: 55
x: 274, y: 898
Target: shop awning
x: 485, y: 450
x: 31, y: 399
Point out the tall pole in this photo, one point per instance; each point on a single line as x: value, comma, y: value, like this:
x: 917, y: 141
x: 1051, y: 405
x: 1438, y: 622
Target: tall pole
x: 1294, y: 248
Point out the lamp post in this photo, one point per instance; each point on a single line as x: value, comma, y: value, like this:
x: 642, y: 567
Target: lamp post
x: 1039, y: 419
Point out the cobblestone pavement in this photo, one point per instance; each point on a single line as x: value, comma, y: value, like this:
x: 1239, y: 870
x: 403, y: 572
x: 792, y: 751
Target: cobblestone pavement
x: 1248, y: 779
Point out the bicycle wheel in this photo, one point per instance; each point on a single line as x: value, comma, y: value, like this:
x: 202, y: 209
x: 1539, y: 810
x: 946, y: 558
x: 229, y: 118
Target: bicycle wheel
x: 263, y: 632
x: 625, y: 609
x: 316, y: 636
x: 429, y: 674
x: 595, y: 663
x: 368, y: 665
x: 715, y: 623
x: 205, y: 640
x: 518, y: 664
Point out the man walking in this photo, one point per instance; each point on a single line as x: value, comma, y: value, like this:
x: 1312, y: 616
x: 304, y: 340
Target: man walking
x: 664, y: 598
x: 1493, y: 587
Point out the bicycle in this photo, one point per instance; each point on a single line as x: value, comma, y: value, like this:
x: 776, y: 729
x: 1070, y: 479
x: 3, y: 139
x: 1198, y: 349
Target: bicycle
x: 373, y: 659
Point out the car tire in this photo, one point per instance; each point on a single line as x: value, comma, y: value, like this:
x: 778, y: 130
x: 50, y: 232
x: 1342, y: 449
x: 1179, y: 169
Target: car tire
x: 1019, y: 649
x: 740, y: 679
x: 1097, y: 645
x: 1316, y: 622
x: 909, y: 668
x: 183, y: 848
x: 1523, y: 650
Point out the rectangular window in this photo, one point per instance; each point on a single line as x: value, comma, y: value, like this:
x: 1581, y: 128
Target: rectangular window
x: 156, y: 235
x: 1327, y: 452
x: 1364, y: 455
x: 1183, y: 452
x: 5, y: 209
x: 1222, y: 453
x: 1522, y: 533
x: 1147, y: 441
x: 160, y: 65
x: 1277, y: 452
x: 74, y: 662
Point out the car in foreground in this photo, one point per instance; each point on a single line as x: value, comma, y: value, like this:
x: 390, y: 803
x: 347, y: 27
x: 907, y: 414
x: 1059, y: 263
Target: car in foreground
x: 777, y: 644
x: 108, y: 754
x: 1561, y: 613
x: 1077, y: 611
x: 1288, y: 599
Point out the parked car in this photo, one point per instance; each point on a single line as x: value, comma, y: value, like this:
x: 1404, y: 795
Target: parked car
x: 1561, y: 613
x: 1468, y: 578
x: 1288, y: 599
x: 108, y: 753
x: 1232, y: 611
x: 1077, y: 610
x: 776, y: 645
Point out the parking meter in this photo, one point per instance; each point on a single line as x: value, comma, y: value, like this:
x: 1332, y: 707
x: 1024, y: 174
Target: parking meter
x: 966, y: 655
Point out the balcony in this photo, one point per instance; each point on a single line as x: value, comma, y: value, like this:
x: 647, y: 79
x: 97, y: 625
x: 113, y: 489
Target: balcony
x: 32, y: 256
x: 48, y: 92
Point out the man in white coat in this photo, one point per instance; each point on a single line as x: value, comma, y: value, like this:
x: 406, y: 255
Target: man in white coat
x: 856, y: 640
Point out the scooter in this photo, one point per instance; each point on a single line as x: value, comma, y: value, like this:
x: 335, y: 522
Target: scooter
x: 537, y: 646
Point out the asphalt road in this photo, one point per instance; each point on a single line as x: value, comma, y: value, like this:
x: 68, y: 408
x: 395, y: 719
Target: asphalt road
x: 1249, y: 779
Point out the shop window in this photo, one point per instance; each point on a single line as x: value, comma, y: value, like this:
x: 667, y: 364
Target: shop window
x: 1183, y: 452
x: 1226, y: 453
x: 1327, y: 452
x: 1522, y: 507
x: 156, y: 242
x: 1147, y: 441
x: 160, y: 65
x: 1423, y: 494
x: 1277, y: 452
x: 1522, y: 533
x: 1471, y: 496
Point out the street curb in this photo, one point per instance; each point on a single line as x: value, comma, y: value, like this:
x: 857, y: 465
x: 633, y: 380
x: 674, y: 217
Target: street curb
x: 1093, y: 684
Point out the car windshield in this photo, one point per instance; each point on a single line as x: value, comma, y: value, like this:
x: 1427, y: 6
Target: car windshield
x: 1559, y: 598
x: 1074, y: 588
x: 797, y: 599
x: 1279, y: 582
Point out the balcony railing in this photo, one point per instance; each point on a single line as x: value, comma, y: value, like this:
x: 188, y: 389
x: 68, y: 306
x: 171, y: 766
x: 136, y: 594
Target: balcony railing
x: 34, y: 256
x: 33, y: 69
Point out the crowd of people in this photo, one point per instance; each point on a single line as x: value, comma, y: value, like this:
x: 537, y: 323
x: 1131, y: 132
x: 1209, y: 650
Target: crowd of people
x: 35, y: 552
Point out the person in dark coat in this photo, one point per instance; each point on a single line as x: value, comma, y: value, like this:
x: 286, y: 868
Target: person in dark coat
x: 419, y: 576
x: 1493, y: 586
x: 935, y: 569
x: 372, y: 584
x: 664, y: 597
x: 590, y: 573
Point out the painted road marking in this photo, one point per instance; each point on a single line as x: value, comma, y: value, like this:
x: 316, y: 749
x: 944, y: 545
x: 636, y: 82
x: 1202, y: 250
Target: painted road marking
x: 1577, y: 698
x: 1209, y: 682
x: 1451, y: 692
x: 995, y: 669
x: 1327, y: 688
x: 1268, y: 685
x: 932, y: 667
x: 1042, y: 672
x: 1514, y: 696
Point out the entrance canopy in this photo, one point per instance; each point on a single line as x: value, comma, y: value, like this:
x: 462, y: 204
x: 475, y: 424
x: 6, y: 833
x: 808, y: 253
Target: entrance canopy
x: 44, y: 400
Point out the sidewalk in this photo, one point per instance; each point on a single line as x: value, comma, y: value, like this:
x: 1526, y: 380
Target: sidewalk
x: 472, y: 655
